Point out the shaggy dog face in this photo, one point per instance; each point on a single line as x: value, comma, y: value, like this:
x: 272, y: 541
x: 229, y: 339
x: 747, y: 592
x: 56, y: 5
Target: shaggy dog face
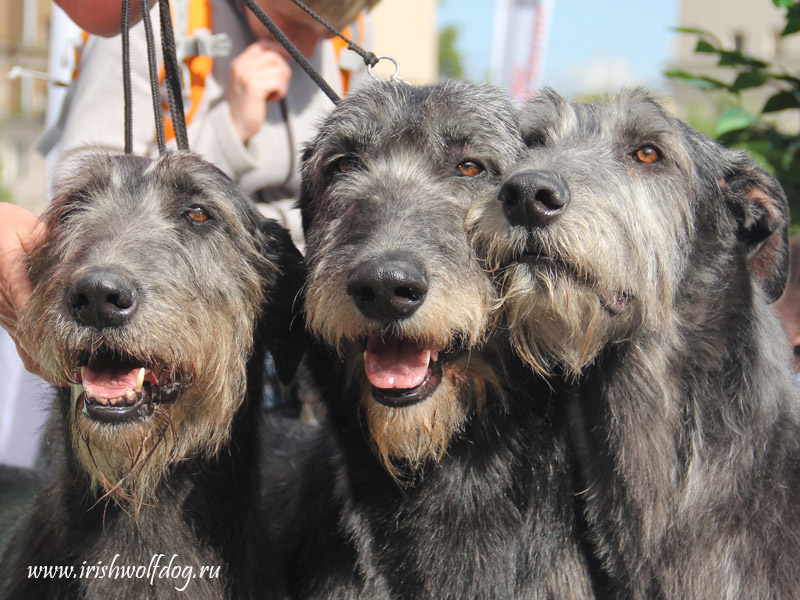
x: 394, y: 287
x: 142, y: 259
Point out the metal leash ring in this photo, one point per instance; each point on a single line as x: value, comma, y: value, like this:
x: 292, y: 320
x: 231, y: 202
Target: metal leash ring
x: 393, y: 77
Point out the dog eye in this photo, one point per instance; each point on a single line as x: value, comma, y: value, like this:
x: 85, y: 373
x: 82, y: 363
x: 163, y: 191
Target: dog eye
x: 648, y: 154
x: 346, y: 164
x: 197, y: 213
x: 535, y: 139
x: 470, y: 168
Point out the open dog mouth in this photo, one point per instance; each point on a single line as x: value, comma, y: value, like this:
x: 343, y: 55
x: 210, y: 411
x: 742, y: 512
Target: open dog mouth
x: 402, y: 372
x: 118, y: 388
x: 612, y: 301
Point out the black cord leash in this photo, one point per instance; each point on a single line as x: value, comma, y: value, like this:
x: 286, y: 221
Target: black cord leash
x: 292, y: 50
x: 126, y: 74
x: 154, y: 85
x: 172, y: 73
x: 172, y: 76
x: 370, y: 59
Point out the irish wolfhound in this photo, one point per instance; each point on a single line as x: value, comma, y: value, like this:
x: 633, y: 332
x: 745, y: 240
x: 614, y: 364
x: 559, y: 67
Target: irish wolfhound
x: 432, y: 477
x: 155, y: 280
x: 638, y: 257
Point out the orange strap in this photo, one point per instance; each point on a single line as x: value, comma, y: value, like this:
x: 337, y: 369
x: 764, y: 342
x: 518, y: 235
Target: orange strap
x: 339, y: 45
x: 76, y: 70
x: 200, y: 17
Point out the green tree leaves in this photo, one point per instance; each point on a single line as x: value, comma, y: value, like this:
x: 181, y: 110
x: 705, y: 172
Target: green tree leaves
x: 779, y: 151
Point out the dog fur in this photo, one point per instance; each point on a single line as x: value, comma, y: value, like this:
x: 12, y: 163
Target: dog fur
x: 465, y: 490
x: 211, y: 287
x: 648, y: 286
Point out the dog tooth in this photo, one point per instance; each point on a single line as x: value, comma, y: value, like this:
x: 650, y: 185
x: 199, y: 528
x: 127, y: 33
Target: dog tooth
x: 115, y: 401
x: 130, y: 395
x: 140, y: 379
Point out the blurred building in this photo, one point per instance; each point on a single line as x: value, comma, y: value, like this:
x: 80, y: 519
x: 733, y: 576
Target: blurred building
x: 407, y: 30
x: 751, y: 26
x: 24, y: 42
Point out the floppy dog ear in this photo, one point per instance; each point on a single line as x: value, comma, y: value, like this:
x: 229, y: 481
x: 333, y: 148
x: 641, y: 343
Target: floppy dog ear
x: 282, y: 322
x: 763, y: 224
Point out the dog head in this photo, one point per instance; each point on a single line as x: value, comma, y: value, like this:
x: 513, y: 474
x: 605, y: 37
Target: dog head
x: 393, y: 285
x: 616, y: 213
x: 154, y: 280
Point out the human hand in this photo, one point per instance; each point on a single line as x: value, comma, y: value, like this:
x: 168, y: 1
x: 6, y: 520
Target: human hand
x: 20, y: 232
x: 260, y: 74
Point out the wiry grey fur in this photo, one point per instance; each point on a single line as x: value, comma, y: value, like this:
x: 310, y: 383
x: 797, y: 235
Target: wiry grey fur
x: 650, y: 290
x: 468, y: 493
x: 211, y: 297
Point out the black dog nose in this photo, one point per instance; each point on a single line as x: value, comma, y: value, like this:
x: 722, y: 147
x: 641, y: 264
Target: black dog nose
x: 388, y: 288
x: 102, y: 298
x: 534, y: 198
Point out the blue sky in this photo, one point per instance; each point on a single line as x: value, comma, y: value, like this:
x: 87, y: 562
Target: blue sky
x: 594, y: 45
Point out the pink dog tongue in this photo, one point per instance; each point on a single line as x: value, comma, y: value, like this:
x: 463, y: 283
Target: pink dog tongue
x: 109, y: 383
x: 396, y: 364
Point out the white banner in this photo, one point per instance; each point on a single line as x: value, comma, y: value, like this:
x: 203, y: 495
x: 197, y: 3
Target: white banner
x: 519, y: 43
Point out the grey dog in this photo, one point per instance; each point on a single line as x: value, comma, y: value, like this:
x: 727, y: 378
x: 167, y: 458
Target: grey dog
x: 443, y: 469
x: 157, y: 293
x: 637, y: 258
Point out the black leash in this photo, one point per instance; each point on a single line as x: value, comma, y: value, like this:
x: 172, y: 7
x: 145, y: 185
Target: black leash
x: 292, y: 50
x: 172, y: 77
x: 370, y: 59
x: 126, y: 74
x: 154, y: 85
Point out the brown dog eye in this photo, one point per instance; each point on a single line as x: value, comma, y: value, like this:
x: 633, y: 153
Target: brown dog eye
x: 346, y: 164
x: 648, y: 155
x: 197, y: 214
x: 470, y: 168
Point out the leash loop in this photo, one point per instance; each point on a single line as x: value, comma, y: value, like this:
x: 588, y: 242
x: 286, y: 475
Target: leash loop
x: 394, y: 76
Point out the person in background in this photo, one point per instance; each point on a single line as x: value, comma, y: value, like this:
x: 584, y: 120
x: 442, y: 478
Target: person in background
x: 255, y: 109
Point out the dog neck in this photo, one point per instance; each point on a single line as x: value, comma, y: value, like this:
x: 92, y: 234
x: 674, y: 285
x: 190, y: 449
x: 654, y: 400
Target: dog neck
x: 687, y: 418
x: 493, y: 517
